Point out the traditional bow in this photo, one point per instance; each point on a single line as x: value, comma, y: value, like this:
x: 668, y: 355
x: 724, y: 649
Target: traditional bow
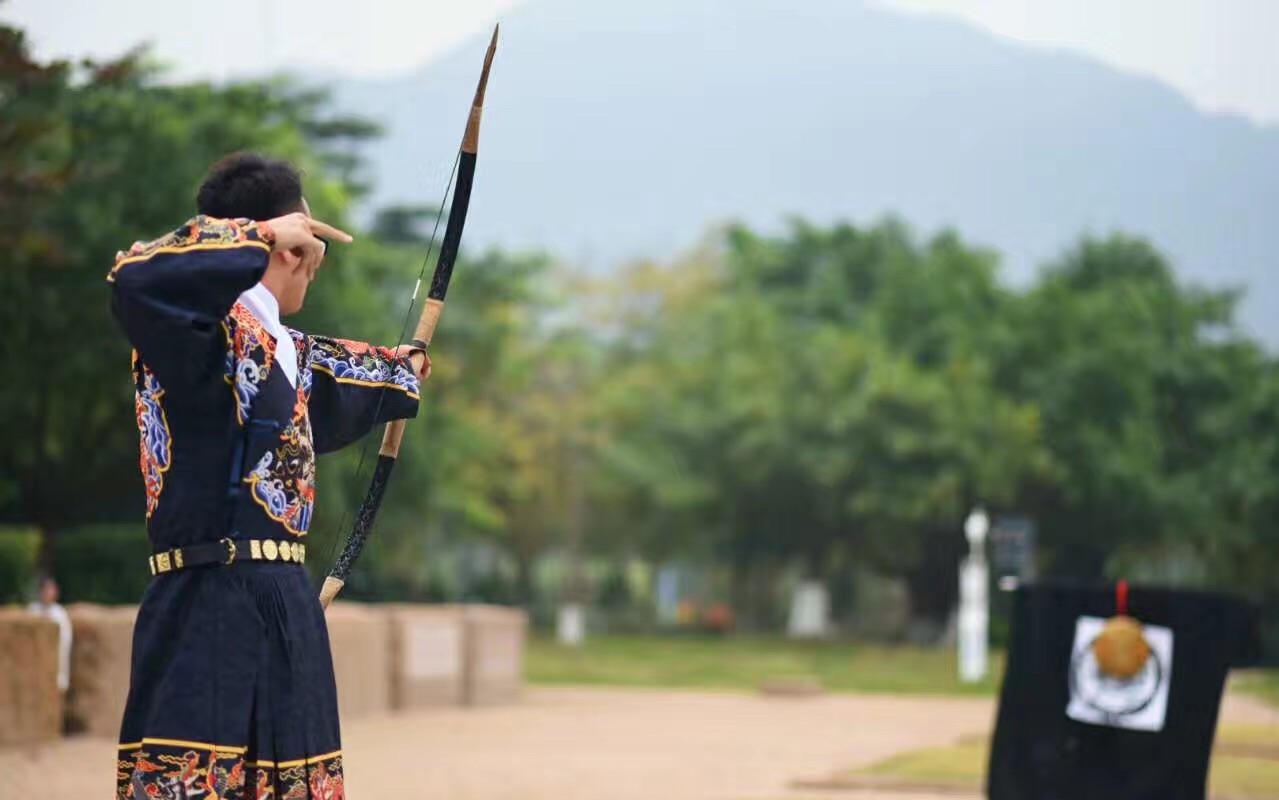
x: 421, y: 338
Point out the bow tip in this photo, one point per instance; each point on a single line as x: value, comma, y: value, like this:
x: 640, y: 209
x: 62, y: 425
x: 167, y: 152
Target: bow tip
x: 330, y: 590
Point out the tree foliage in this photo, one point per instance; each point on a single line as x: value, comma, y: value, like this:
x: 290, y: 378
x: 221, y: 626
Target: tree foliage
x: 812, y: 399
x: 96, y: 156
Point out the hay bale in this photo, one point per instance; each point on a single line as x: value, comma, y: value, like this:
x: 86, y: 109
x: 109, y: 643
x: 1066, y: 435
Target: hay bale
x: 494, y: 654
x: 360, y: 640
x: 427, y: 655
x: 101, y: 650
x: 30, y: 703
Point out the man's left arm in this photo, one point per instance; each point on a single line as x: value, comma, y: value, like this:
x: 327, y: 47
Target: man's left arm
x: 355, y: 386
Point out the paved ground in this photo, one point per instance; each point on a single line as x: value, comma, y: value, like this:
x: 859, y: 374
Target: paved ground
x: 577, y: 744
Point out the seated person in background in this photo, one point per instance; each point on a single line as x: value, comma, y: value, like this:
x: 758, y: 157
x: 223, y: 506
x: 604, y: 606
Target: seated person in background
x: 47, y: 606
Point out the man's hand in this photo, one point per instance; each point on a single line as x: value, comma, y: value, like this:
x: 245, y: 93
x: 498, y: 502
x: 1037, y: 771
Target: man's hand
x: 405, y: 350
x: 296, y: 234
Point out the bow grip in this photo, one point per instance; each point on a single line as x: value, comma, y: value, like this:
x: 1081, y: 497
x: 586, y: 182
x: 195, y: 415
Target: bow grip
x: 425, y: 330
x: 422, y: 335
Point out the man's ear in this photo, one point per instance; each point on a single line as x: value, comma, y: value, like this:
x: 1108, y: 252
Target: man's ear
x: 288, y: 259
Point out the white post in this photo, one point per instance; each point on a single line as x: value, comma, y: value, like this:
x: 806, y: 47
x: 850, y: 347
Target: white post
x: 809, y: 611
x: 667, y: 595
x: 570, y: 625
x: 974, y: 607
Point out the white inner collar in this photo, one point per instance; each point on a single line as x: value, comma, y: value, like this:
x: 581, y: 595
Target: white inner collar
x: 263, y: 305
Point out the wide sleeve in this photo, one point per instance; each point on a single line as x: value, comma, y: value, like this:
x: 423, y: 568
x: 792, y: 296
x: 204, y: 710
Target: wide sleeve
x: 170, y: 295
x: 355, y: 386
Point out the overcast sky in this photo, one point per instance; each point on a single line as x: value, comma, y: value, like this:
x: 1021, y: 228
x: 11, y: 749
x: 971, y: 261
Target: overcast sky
x: 1221, y: 53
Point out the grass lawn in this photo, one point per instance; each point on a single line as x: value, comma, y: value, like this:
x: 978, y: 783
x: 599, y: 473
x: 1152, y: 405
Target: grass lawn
x: 1246, y: 764
x: 965, y: 763
x: 1263, y: 684
x: 961, y: 763
x: 743, y: 663
x: 1250, y: 736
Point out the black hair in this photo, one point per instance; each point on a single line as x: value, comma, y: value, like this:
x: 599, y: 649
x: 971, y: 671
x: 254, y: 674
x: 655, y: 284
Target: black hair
x: 250, y: 186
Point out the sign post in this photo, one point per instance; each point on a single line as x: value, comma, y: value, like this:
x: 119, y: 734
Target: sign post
x: 1012, y: 545
x: 974, y: 602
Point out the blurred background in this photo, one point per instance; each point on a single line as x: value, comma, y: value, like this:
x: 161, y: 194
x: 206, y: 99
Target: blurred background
x: 759, y: 300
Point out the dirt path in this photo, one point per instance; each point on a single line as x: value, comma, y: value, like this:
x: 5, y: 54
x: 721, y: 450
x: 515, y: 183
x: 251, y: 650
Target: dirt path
x: 594, y: 745
x: 580, y: 744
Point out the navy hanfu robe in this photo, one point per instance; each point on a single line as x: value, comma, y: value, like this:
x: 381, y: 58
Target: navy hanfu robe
x: 232, y: 692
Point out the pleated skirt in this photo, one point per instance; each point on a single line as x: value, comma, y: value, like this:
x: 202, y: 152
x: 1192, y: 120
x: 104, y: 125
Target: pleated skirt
x: 232, y: 694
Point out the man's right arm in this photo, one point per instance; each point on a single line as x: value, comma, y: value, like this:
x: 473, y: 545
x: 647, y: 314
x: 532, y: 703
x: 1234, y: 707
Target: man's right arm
x: 171, y: 294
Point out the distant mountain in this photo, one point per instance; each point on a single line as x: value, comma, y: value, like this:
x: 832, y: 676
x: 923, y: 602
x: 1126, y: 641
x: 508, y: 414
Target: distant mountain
x: 614, y: 130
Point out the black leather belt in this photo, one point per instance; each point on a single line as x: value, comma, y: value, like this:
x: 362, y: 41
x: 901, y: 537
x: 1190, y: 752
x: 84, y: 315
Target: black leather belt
x: 225, y: 552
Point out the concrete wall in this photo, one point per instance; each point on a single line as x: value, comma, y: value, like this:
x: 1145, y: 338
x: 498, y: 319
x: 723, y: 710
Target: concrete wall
x: 360, y: 640
x: 385, y: 657
x: 428, y: 655
x: 30, y: 703
x: 101, y: 649
x: 494, y: 666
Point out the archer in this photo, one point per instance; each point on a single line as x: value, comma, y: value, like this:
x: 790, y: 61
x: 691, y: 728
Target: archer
x: 232, y: 693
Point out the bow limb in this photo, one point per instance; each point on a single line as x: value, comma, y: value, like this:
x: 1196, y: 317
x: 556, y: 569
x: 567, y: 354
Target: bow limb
x: 422, y: 335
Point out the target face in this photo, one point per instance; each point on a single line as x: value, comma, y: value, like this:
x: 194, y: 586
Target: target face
x: 1136, y: 703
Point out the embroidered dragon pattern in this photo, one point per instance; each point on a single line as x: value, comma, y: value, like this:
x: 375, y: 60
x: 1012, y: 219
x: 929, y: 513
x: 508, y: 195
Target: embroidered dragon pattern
x: 283, y: 481
x: 356, y: 362
x: 249, y: 356
x: 155, y: 439
x: 200, y: 232
x: 166, y: 772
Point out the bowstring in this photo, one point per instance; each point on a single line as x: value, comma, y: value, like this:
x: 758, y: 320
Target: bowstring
x: 348, y: 515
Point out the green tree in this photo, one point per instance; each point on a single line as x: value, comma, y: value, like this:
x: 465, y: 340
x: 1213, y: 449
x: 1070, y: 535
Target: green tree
x: 461, y: 458
x: 821, y: 393
x: 95, y: 157
x: 1131, y: 372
